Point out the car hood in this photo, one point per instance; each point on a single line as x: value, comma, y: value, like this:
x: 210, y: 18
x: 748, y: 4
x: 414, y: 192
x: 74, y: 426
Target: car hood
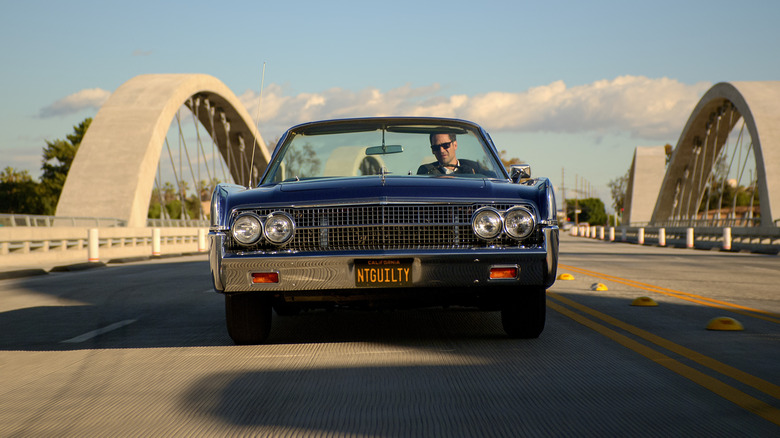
x: 389, y: 189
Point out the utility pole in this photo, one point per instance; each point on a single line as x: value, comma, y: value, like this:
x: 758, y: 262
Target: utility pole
x: 563, y: 194
x: 576, y: 199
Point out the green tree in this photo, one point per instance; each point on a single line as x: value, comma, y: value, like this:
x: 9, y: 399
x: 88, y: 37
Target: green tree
x: 618, y: 188
x: 592, y: 211
x: 58, y: 156
x: 508, y: 162
x: 19, y: 193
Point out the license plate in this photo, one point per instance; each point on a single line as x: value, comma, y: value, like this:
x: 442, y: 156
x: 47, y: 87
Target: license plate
x: 383, y: 273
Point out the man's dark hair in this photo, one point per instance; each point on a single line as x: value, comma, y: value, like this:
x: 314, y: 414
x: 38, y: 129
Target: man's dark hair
x: 434, y: 134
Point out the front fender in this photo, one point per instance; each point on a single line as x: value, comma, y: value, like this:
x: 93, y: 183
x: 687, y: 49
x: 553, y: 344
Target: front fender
x: 220, y: 214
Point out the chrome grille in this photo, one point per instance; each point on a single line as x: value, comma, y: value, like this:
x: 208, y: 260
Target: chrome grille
x: 381, y: 227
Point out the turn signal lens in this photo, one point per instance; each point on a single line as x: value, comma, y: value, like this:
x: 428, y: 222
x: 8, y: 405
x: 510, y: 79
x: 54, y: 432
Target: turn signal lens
x: 503, y: 273
x: 265, y: 277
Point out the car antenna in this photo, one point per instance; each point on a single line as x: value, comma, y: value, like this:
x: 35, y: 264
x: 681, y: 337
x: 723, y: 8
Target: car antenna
x: 257, y: 122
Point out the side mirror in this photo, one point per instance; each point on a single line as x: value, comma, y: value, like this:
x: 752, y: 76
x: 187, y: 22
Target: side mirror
x: 519, y: 172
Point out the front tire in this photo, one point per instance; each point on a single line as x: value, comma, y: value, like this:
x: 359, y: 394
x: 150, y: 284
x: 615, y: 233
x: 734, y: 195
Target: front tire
x: 286, y: 309
x: 523, y: 313
x: 248, y: 317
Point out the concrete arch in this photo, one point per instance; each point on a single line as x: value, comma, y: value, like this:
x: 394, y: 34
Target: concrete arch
x: 113, y: 172
x: 644, y: 181
x: 707, y: 130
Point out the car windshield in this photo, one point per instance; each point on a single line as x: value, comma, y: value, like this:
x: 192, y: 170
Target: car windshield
x: 362, y: 150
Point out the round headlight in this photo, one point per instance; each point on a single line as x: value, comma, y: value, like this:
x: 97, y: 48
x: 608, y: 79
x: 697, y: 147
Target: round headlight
x: 279, y: 227
x: 247, y: 228
x: 486, y: 223
x: 519, y: 222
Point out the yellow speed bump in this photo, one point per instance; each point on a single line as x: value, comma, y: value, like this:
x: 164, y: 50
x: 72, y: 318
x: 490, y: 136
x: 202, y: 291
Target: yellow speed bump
x: 598, y: 286
x: 725, y: 323
x: 644, y: 302
x: 565, y: 277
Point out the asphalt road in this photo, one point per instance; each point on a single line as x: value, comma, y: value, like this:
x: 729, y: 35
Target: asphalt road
x: 141, y: 350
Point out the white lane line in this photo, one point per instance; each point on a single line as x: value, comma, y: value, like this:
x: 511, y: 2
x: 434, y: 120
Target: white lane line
x: 98, y: 332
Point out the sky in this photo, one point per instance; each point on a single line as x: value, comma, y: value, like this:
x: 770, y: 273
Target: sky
x: 571, y: 87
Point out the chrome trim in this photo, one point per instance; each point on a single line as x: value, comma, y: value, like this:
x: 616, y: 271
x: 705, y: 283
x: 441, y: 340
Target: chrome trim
x: 260, y: 223
x: 533, y: 222
x: 552, y: 208
x: 257, y: 271
x: 321, y: 273
x: 520, y: 172
x: 481, y: 211
x: 216, y: 255
x: 292, y: 228
x: 551, y: 259
x: 385, y: 226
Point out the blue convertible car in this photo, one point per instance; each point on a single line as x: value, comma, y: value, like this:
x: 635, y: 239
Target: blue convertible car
x: 390, y: 211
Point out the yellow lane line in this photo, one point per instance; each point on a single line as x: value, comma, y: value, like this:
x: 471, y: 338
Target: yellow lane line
x: 710, y: 302
x: 730, y: 393
x: 729, y: 371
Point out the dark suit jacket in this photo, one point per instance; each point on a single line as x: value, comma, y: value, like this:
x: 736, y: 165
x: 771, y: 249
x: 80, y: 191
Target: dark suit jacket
x: 466, y: 167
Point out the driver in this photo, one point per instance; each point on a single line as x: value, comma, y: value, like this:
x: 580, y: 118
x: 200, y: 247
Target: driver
x: 444, y: 147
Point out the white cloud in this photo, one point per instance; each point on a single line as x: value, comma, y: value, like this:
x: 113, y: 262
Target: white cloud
x: 84, y: 99
x: 639, y: 106
x: 636, y: 105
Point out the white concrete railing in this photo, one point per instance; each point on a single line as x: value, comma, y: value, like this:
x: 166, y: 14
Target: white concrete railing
x: 31, y: 220
x: 756, y: 239
x: 41, y: 246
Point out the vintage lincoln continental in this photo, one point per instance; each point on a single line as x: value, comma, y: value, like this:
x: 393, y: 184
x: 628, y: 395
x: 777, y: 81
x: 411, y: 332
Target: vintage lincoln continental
x: 384, y: 212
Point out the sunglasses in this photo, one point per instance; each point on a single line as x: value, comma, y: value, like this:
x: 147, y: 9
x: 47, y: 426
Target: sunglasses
x: 435, y: 147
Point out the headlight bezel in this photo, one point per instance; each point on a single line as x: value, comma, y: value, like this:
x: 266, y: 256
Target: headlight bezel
x: 271, y: 228
x: 526, y: 213
x: 247, y: 218
x: 495, y: 218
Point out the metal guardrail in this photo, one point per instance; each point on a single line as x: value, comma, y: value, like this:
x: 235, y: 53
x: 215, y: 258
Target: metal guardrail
x: 28, y: 220
x: 754, y: 239
x: 733, y: 222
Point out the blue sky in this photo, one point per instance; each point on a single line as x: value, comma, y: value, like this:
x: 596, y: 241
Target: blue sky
x: 562, y: 84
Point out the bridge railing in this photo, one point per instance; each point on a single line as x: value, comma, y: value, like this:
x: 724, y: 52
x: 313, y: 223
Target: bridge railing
x: 733, y: 222
x: 28, y: 220
x: 60, y: 245
x: 753, y: 239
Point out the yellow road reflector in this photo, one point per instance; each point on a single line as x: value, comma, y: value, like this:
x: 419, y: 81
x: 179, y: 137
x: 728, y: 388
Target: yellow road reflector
x: 565, y: 277
x: 644, y: 302
x: 598, y: 286
x: 725, y: 323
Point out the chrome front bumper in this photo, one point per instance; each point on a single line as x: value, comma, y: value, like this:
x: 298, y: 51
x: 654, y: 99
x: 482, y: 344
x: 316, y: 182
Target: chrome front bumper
x: 440, y: 268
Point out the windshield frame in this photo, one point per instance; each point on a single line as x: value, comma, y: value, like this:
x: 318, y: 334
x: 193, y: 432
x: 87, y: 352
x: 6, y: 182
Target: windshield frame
x: 403, y: 125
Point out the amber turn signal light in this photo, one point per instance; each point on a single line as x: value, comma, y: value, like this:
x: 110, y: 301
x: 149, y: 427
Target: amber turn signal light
x: 265, y: 277
x: 503, y: 273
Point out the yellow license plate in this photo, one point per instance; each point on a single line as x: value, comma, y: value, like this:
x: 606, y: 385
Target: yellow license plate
x: 383, y: 273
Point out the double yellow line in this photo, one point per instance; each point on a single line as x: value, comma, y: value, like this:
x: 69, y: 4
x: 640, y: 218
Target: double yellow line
x: 564, y: 306
x: 742, y: 310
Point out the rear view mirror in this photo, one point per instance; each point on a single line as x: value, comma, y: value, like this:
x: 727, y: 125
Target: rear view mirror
x: 385, y: 149
x: 520, y: 172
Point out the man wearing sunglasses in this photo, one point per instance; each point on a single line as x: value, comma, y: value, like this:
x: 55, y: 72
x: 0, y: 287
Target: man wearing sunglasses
x: 444, y: 147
